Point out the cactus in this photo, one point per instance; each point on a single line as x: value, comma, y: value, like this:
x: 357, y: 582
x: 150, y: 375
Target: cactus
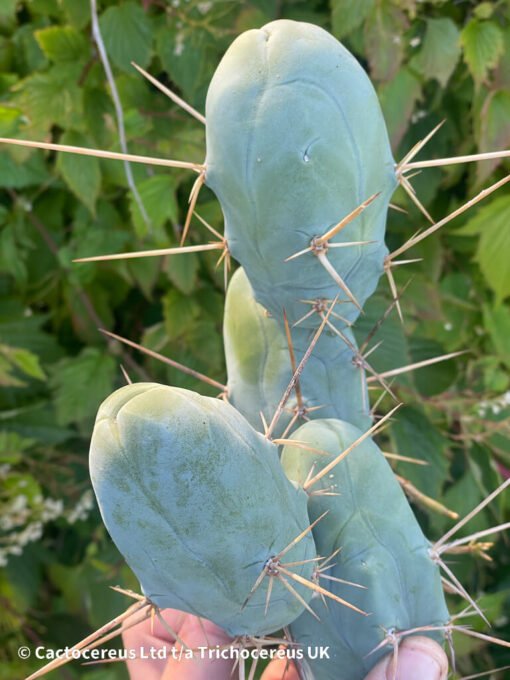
x: 183, y: 460
x: 295, y: 142
x: 299, y: 158
x: 259, y: 367
x: 379, y: 546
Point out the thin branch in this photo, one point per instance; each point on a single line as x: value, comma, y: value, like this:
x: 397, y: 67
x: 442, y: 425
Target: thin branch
x: 98, y: 38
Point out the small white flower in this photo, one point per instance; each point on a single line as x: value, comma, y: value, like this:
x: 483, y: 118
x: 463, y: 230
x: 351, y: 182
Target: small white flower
x: 414, y: 42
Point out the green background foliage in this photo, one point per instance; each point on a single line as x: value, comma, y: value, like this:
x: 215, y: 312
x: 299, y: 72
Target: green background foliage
x: 430, y: 61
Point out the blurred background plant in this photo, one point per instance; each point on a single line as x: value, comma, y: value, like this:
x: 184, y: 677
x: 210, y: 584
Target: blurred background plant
x: 429, y: 61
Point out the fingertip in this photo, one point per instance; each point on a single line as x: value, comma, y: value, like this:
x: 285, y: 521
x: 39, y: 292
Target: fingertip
x: 419, y: 658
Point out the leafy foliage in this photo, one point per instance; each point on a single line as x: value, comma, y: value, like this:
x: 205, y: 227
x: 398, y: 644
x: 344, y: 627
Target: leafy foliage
x: 430, y: 61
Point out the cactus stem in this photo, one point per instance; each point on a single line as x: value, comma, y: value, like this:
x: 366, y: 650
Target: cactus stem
x: 192, y: 201
x: 418, y: 147
x: 419, y: 364
x: 330, y: 466
x: 405, y: 459
x: 126, y: 376
x: 421, y: 498
x: 469, y: 204
x: 166, y: 360
x: 97, y: 153
x: 297, y: 373
x: 174, y: 97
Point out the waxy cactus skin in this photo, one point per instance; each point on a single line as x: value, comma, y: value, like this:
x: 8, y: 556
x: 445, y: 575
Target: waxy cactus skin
x: 197, y: 501
x: 382, y: 548
x: 193, y: 495
x: 296, y: 140
x: 259, y: 368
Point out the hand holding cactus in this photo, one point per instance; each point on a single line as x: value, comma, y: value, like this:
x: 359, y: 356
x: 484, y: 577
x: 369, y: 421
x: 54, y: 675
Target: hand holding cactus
x: 420, y: 657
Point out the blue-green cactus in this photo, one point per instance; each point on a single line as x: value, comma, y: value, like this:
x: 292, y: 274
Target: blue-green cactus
x: 381, y: 547
x: 197, y: 502
x: 295, y: 141
x: 259, y: 367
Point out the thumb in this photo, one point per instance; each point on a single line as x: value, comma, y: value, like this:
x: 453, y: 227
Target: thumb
x: 419, y: 658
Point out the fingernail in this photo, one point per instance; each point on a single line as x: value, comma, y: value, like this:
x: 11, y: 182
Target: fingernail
x: 419, y: 660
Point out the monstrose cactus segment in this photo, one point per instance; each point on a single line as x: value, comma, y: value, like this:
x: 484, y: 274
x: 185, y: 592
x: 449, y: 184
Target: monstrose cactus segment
x: 296, y: 141
x: 381, y: 547
x: 197, y: 502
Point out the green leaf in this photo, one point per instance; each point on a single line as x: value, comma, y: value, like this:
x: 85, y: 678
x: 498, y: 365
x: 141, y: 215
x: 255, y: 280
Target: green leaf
x: 8, y: 7
x: 9, y: 121
x: 497, y: 322
x: 182, y: 272
x: 82, y: 174
x: 441, y: 50
x: 494, y: 130
x: 13, y: 175
x: 81, y: 383
x: 483, y: 46
x: 62, y: 43
x: 158, y: 198
x: 398, y: 99
x: 78, y: 13
x: 127, y: 34
x: 414, y: 435
x: 179, y: 312
x: 492, y: 222
x: 53, y: 97
x: 17, y: 360
x: 27, y: 362
x: 186, y: 56
x: 347, y: 15
x: 384, y: 40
